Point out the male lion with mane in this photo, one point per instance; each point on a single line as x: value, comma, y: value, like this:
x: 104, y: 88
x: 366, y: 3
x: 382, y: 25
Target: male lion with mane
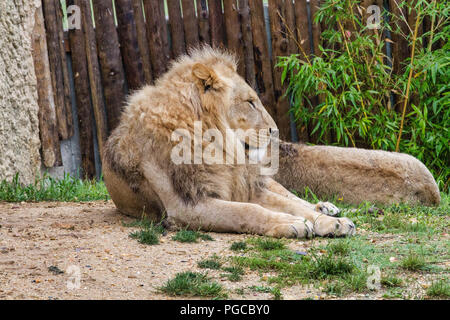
x: 142, y: 178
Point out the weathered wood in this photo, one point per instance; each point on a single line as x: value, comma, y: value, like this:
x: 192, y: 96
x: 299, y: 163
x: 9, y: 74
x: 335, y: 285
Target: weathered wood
x: 301, y: 20
x: 247, y: 37
x: 190, y: 24
x: 95, y: 77
x: 83, y: 99
x: 142, y: 39
x: 304, y: 48
x: 316, y: 30
x: 156, y: 34
x: 56, y: 72
x: 235, y: 42
x: 263, y: 65
x: 280, y: 46
x: 113, y: 76
x: 63, y: 41
x: 216, y: 23
x: 129, y: 44
x: 51, y: 154
x: 176, y: 27
x: 164, y: 30
x: 203, y: 21
x: 400, y: 48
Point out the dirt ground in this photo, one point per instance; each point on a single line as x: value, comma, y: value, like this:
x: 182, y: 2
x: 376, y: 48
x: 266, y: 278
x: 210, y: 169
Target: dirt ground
x: 89, y: 242
x: 92, y: 237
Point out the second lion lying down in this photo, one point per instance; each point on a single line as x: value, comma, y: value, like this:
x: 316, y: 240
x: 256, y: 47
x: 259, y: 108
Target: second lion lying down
x: 142, y: 177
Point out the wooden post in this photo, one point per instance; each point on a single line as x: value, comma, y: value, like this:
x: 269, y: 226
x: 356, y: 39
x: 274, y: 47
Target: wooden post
x: 65, y: 70
x: 234, y: 34
x: 51, y: 154
x: 83, y: 99
x: 56, y: 67
x: 129, y: 44
x: 216, y: 23
x: 400, y: 48
x: 203, y: 21
x: 110, y: 61
x: 247, y: 37
x: 280, y: 46
x: 95, y: 78
x: 316, y: 30
x: 302, y: 33
x: 190, y: 24
x: 304, y: 48
x: 142, y: 40
x: 176, y: 27
x: 156, y: 34
x: 263, y: 65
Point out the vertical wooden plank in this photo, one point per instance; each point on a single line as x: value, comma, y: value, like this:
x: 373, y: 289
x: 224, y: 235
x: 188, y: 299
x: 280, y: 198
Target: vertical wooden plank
x: 203, y: 22
x: 302, y: 32
x: 94, y: 73
x: 156, y: 34
x: 56, y: 72
x: 65, y: 70
x: 234, y: 34
x: 142, y: 39
x: 280, y: 46
x: 83, y: 99
x: 216, y: 23
x: 51, y: 154
x: 316, y: 30
x: 164, y: 29
x: 263, y: 65
x: 176, y: 27
x: 304, y: 48
x: 129, y: 44
x: 113, y: 76
x: 400, y: 48
x: 247, y: 36
x: 190, y: 24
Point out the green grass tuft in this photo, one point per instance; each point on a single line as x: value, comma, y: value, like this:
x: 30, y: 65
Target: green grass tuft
x: 439, y: 289
x: 238, y: 245
x: 235, y: 273
x: 191, y: 236
x: 192, y: 284
x: 212, y: 263
x: 49, y: 189
x: 413, y: 262
x: 268, y: 244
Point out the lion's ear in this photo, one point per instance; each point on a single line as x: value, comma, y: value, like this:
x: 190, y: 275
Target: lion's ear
x: 208, y: 78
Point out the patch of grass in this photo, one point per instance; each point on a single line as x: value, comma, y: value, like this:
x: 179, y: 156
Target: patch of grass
x: 192, y: 284
x: 191, y: 236
x: 149, y: 232
x: 238, y: 246
x: 234, y: 273
x: 268, y: 244
x: 212, y: 263
x: 413, y: 262
x: 439, y: 289
x: 391, y: 282
x: 276, y: 294
x: 322, y: 267
x: 339, y: 247
x: 260, y: 289
x: 49, y: 189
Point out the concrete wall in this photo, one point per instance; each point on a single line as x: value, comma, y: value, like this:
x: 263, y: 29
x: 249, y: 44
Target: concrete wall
x: 19, y: 126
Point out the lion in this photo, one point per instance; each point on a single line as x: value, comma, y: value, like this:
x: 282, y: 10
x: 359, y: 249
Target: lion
x: 356, y: 175
x: 143, y: 179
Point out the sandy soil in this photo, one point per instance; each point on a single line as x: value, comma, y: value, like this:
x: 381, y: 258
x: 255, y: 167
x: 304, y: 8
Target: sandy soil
x: 91, y: 237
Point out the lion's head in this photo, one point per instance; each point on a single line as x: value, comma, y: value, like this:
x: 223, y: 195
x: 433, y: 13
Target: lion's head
x: 220, y: 96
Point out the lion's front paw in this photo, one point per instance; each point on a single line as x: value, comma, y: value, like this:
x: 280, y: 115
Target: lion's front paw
x: 326, y: 226
x: 327, y: 208
x: 300, y: 228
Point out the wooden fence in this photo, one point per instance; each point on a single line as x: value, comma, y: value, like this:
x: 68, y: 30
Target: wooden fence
x: 123, y: 44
